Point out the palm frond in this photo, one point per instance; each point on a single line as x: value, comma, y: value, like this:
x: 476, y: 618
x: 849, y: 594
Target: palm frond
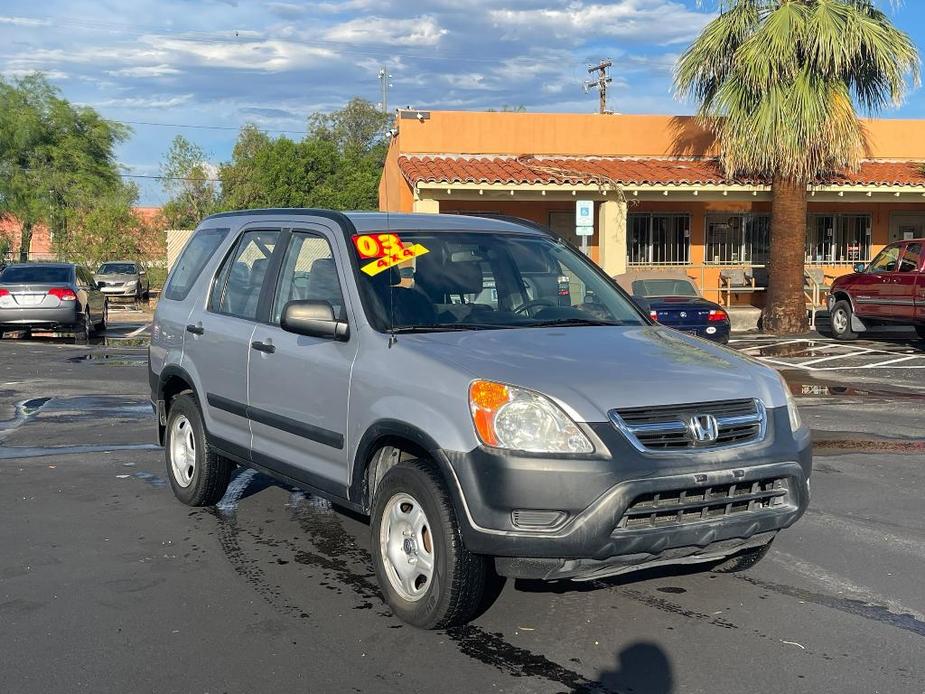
x: 779, y: 81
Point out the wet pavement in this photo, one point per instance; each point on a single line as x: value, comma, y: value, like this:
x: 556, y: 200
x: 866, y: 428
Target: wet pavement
x: 107, y: 583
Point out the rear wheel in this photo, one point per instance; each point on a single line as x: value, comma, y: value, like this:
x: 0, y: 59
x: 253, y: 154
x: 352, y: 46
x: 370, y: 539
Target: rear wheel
x: 742, y: 561
x: 429, y: 579
x: 104, y: 319
x: 198, y: 475
x: 82, y: 329
x: 841, y: 321
x: 920, y: 329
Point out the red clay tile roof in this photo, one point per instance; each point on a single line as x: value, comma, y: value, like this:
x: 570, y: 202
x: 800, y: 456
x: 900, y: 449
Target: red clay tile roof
x: 585, y: 170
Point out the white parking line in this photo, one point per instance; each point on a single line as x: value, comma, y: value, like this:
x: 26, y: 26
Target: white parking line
x: 892, y: 361
x: 140, y: 330
x: 857, y: 353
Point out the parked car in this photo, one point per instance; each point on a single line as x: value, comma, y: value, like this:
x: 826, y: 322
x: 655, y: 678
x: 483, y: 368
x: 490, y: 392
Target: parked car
x: 888, y: 290
x: 123, y: 279
x: 59, y: 297
x: 676, y: 302
x: 359, y: 357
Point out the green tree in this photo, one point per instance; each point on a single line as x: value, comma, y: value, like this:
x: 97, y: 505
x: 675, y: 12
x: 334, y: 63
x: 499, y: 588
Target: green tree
x: 777, y: 82
x: 53, y: 156
x: 337, y: 165
x: 106, y: 228
x: 190, y: 183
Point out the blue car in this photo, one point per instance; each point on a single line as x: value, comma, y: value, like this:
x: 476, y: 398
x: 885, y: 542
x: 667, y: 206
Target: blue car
x: 675, y: 302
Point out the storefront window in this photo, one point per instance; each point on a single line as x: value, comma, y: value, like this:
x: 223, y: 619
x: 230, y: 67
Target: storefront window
x: 659, y: 239
x: 840, y: 238
x: 738, y: 239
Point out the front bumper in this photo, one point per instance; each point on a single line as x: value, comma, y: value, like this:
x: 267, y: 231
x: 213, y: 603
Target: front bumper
x: 119, y: 291
x: 592, y: 495
x: 34, y: 317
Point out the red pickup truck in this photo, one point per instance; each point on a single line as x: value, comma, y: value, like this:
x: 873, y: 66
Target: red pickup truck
x: 891, y: 289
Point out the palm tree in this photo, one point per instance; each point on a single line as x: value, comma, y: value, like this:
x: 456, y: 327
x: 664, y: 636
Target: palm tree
x: 778, y: 82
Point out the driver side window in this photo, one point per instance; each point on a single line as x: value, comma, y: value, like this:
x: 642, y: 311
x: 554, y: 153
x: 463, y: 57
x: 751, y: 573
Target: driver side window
x: 309, y: 273
x: 886, y: 261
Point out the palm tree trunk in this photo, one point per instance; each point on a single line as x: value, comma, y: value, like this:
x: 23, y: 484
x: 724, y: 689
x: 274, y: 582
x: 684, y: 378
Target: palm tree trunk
x: 25, y: 241
x: 785, y: 309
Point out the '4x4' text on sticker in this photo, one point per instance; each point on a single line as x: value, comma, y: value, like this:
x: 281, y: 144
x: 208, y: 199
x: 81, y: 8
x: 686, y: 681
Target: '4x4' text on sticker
x: 397, y: 256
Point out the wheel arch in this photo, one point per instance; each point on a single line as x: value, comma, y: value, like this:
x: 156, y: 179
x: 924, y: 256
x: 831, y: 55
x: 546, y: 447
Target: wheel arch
x: 376, y: 453
x: 172, y: 381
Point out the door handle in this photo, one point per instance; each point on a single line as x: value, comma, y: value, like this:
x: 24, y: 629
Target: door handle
x: 265, y: 347
x: 195, y: 329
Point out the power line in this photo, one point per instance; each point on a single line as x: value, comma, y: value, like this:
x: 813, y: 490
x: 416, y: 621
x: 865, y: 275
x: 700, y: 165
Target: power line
x: 205, y: 127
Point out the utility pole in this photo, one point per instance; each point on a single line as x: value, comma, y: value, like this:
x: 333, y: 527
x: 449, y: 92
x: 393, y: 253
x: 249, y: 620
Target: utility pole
x: 385, y: 81
x: 603, y: 79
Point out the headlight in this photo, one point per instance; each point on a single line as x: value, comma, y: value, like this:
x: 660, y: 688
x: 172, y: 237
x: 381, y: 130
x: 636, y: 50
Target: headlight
x: 792, y: 411
x: 131, y: 283
x: 519, y: 419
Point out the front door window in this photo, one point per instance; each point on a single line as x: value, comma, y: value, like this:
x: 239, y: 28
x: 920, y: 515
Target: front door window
x: 886, y: 261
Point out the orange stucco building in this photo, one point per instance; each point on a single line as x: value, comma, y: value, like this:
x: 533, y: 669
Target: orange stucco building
x: 661, y: 200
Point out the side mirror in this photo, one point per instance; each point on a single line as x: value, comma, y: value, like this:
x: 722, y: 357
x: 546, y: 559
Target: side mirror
x: 860, y: 267
x: 313, y: 319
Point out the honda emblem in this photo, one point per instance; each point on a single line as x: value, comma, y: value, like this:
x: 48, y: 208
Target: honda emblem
x: 703, y: 428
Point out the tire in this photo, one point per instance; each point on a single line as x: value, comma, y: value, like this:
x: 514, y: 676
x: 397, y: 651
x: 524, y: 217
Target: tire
x: 82, y: 329
x: 920, y: 330
x: 841, y: 321
x: 104, y: 319
x: 453, y: 590
x: 742, y: 561
x: 200, y: 475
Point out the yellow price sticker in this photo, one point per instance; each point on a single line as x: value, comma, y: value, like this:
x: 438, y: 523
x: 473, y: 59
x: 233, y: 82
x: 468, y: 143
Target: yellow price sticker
x: 394, y: 258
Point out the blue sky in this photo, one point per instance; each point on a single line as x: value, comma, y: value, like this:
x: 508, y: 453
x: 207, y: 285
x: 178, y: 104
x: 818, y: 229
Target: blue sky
x: 223, y: 63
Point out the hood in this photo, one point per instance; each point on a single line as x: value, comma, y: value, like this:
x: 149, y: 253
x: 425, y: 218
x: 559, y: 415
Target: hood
x: 591, y: 370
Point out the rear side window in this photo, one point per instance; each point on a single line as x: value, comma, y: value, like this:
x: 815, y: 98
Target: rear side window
x: 194, y: 257
x: 36, y: 274
x: 240, y: 281
x: 912, y: 258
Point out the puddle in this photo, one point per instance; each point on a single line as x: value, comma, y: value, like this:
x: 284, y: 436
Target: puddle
x: 153, y: 480
x: 115, y: 341
x: 17, y: 452
x: 803, y: 385
x: 107, y: 359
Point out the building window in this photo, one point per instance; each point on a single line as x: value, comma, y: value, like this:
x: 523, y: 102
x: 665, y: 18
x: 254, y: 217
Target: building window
x: 737, y: 239
x: 839, y: 238
x: 659, y: 239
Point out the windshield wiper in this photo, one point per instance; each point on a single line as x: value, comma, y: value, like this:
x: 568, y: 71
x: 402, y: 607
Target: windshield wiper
x: 447, y: 327
x: 573, y: 321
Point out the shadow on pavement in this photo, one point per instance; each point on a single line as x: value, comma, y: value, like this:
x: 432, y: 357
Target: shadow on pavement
x: 641, y: 667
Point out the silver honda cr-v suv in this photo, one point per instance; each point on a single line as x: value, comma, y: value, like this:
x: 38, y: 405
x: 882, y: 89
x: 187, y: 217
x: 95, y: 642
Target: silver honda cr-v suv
x: 480, y: 389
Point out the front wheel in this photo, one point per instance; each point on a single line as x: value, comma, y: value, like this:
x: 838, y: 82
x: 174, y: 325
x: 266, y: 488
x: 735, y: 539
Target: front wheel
x: 742, y: 561
x: 198, y: 475
x: 841, y: 321
x: 429, y: 579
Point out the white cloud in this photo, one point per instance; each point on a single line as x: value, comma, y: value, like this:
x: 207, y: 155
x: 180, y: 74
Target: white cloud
x: 414, y: 31
x: 653, y: 21
x: 146, y: 102
x: 25, y: 21
x: 161, y: 70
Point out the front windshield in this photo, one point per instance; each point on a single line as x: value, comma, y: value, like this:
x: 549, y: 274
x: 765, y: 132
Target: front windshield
x: 664, y: 287
x: 420, y: 281
x: 117, y: 269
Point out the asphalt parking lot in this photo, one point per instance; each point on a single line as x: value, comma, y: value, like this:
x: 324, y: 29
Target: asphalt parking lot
x: 108, y: 584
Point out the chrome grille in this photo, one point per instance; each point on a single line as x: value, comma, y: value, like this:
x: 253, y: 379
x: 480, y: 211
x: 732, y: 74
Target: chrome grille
x: 682, y: 427
x: 692, y: 505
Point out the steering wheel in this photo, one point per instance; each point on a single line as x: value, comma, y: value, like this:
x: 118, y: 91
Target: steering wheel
x: 535, y: 304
